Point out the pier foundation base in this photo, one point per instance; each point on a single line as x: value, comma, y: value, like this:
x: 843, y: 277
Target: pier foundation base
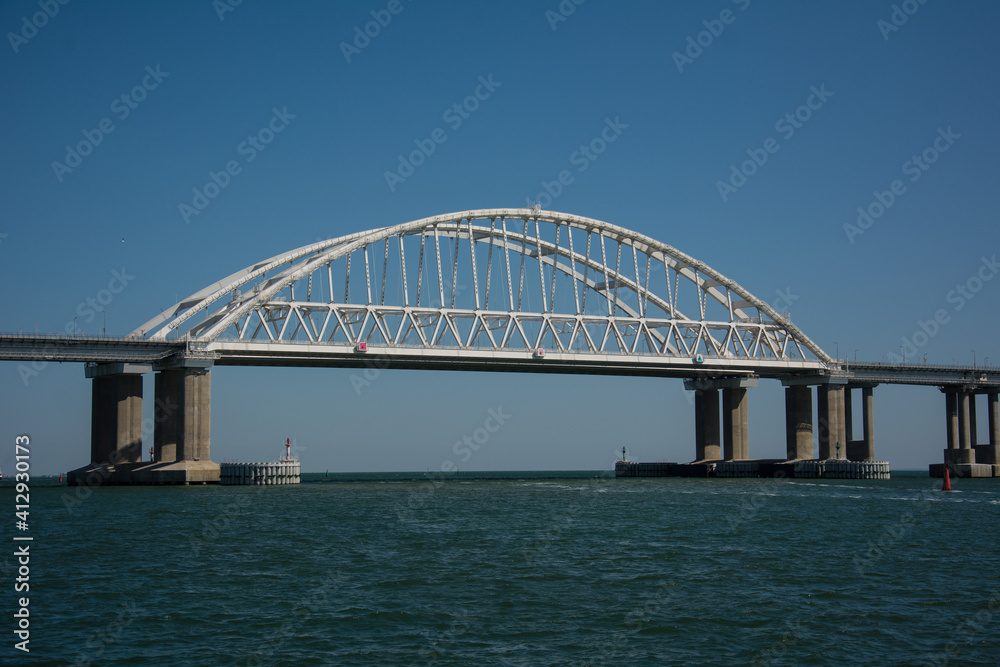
x: 968, y: 470
x: 128, y: 474
x: 988, y: 454
x: 960, y: 456
x: 770, y: 468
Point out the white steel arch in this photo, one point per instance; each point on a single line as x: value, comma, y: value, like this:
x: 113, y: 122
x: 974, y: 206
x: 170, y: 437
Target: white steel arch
x: 491, y: 280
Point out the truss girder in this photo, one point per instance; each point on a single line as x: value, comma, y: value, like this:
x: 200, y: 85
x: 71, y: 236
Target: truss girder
x: 630, y: 312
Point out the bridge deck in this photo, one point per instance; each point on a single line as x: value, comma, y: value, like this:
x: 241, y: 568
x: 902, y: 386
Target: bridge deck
x: 113, y: 349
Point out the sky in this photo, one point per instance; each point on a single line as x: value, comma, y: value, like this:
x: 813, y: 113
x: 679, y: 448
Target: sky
x: 838, y: 160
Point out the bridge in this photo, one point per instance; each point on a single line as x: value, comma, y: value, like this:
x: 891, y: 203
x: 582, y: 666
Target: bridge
x: 512, y: 290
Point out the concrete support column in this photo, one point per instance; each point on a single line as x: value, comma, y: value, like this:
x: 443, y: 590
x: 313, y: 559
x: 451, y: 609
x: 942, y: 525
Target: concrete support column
x: 735, y: 423
x: 951, y: 413
x: 848, y: 416
x: 197, y: 408
x: 994, y: 412
x: 183, y: 432
x: 798, y: 422
x: 990, y: 453
x: 101, y: 440
x: 973, y: 436
x: 706, y: 425
x: 165, y: 436
x: 965, y: 452
x: 964, y: 441
x: 116, y: 419
x: 789, y: 423
x: 830, y: 400
x: 868, y: 406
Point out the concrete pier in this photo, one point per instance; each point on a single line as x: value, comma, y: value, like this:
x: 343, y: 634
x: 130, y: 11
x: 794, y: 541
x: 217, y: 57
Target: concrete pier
x: 862, y: 449
x: 182, y: 438
x: 798, y: 422
x: 830, y: 405
x: 848, y: 415
x: 185, y: 433
x: 965, y: 453
x: 994, y: 417
x: 990, y: 453
x: 964, y: 456
x: 835, y: 414
x: 115, y: 422
x: 868, y: 422
x: 856, y: 460
x: 973, y: 430
x: 181, y: 428
x: 116, y: 419
x: 951, y: 415
x: 706, y: 425
x: 735, y: 424
x: 735, y: 417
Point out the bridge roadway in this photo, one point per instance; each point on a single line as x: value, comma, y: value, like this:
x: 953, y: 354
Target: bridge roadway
x: 922, y: 374
x: 223, y: 352
x: 87, y: 349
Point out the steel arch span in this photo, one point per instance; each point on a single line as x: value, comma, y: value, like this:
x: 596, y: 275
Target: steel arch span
x: 491, y: 284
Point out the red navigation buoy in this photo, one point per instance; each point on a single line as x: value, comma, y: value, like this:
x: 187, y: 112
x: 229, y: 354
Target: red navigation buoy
x: 947, y: 479
x: 60, y: 477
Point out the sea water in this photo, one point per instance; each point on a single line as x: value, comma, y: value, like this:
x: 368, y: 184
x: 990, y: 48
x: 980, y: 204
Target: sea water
x: 511, y: 569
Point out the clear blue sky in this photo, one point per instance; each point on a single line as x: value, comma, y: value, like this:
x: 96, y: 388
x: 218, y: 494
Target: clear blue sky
x: 206, y: 83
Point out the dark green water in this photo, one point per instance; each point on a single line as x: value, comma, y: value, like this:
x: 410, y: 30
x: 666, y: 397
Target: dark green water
x: 530, y: 571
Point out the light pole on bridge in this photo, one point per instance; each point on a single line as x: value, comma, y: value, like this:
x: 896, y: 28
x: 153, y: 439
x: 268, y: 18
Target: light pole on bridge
x: 973, y: 358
